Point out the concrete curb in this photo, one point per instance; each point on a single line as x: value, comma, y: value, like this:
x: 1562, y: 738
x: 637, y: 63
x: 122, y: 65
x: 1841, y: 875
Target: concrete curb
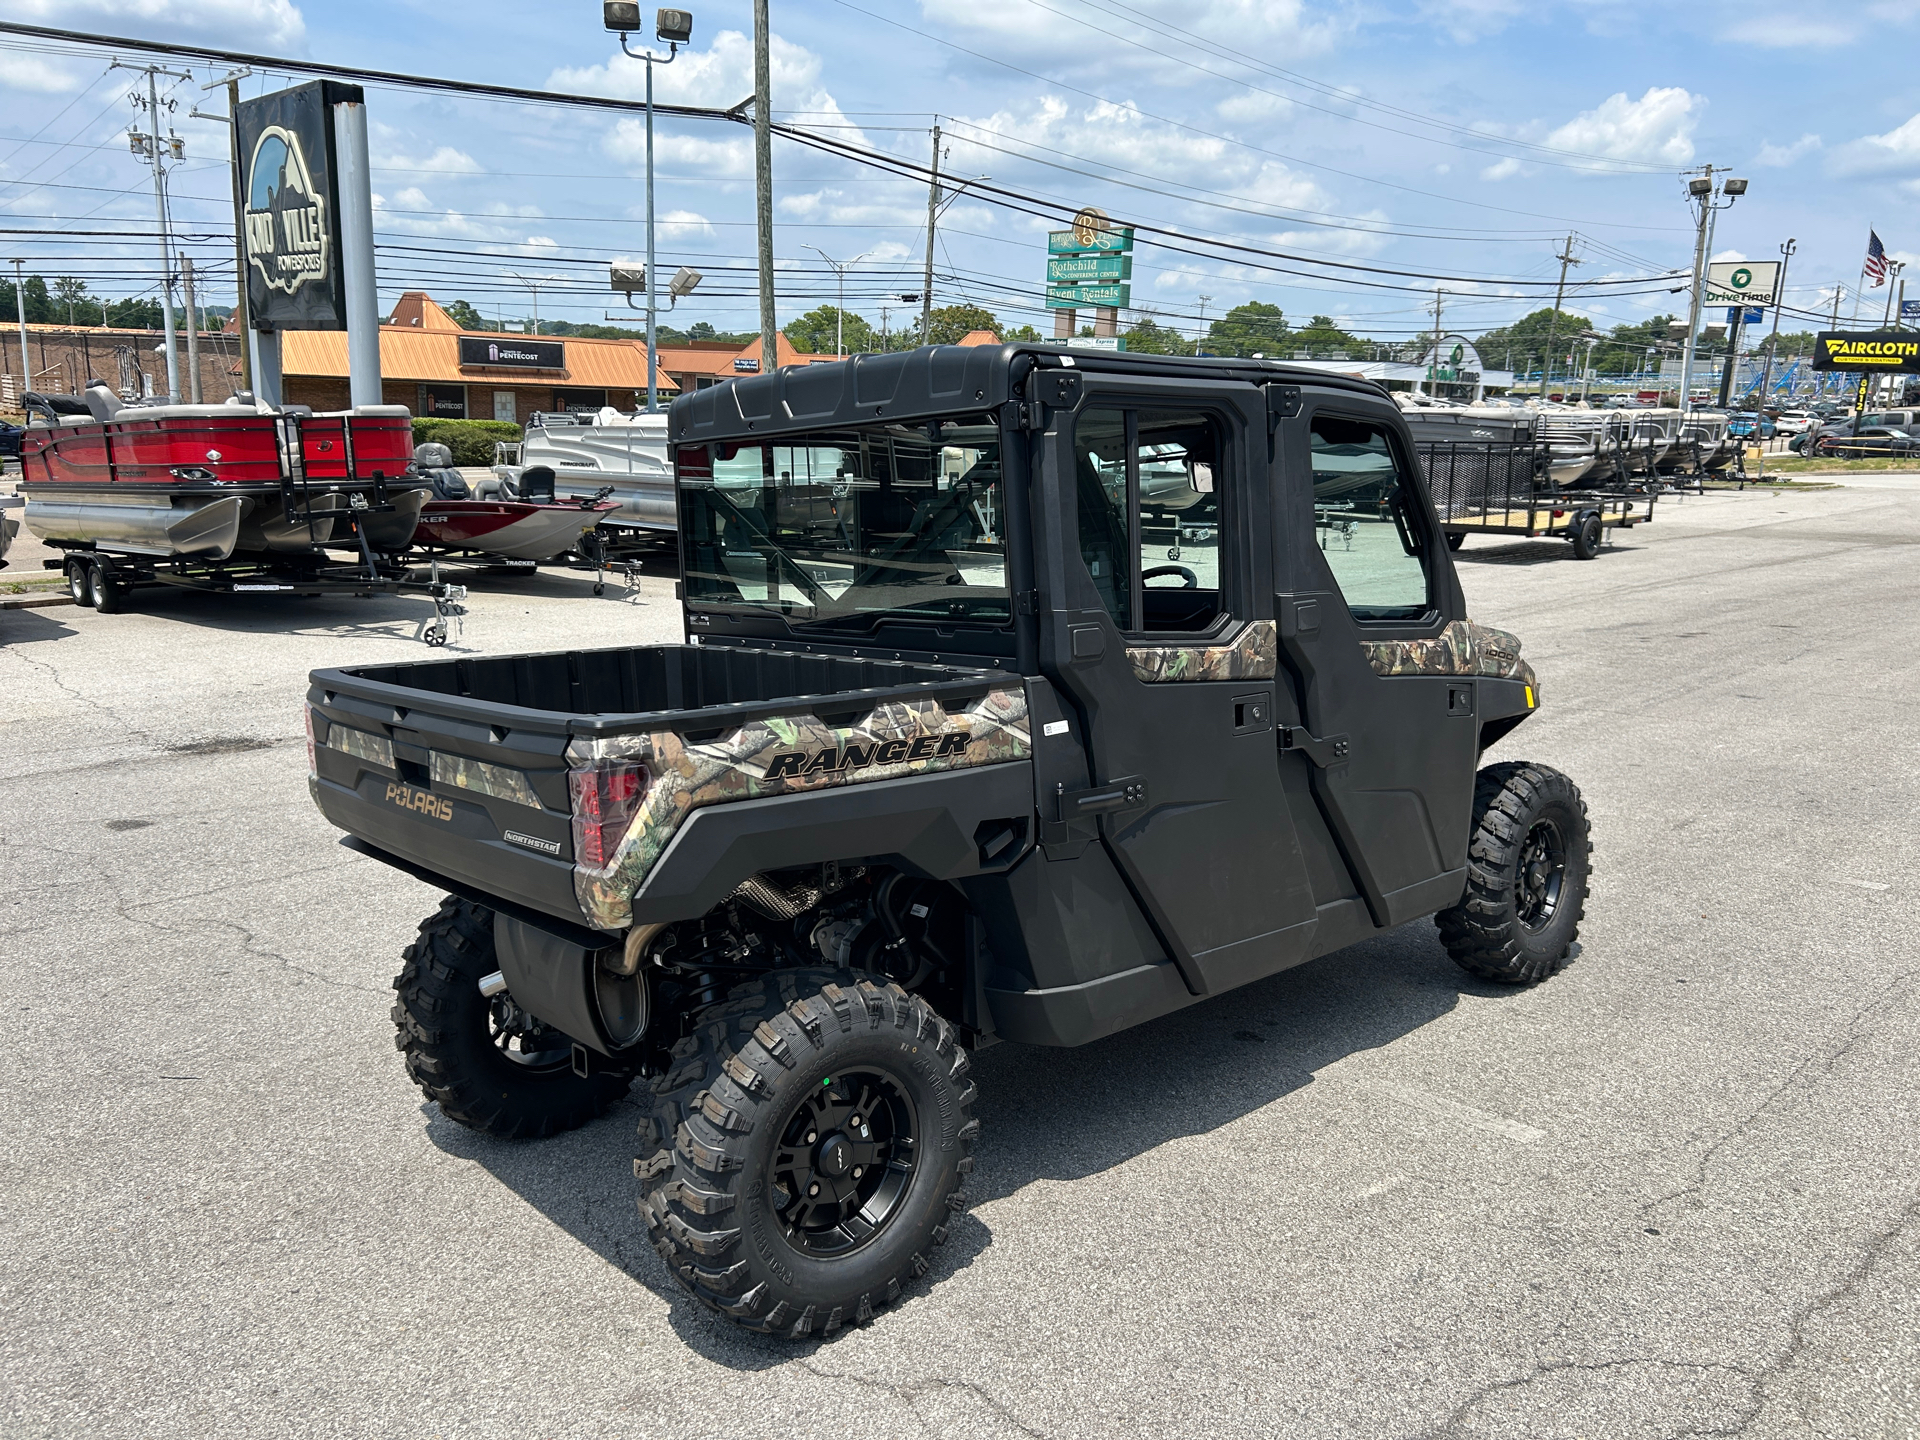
x: 35, y: 602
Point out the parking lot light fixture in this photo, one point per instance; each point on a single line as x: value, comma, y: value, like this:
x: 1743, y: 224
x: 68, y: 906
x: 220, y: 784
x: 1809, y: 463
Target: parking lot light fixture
x: 675, y: 28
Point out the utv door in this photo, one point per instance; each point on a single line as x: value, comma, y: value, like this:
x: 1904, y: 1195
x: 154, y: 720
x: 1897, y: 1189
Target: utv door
x: 1158, y: 632
x: 1387, y: 739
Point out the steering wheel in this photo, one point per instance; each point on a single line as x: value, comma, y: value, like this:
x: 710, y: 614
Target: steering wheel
x: 1189, y: 580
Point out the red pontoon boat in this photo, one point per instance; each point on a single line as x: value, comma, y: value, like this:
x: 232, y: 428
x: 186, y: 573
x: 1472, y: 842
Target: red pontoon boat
x: 237, y: 496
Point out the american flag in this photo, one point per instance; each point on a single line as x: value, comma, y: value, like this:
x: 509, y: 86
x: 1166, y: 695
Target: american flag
x: 1876, y: 265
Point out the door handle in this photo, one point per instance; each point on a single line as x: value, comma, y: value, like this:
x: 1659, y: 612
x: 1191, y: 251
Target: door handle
x: 1128, y: 793
x: 1326, y: 753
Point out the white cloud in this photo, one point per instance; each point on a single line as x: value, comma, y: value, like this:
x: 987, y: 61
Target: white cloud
x: 679, y: 224
x: 1898, y: 149
x: 1657, y: 127
x: 1728, y: 257
x: 444, y: 161
x: 1501, y: 169
x: 276, y: 23
x: 1253, y: 105
x: 720, y: 159
x: 1780, y: 155
x: 1029, y: 32
x: 20, y: 73
x: 1465, y: 21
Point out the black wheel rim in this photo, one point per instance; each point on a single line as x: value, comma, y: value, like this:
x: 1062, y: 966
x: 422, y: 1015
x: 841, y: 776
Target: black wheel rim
x: 1540, y: 876
x: 523, y: 1041
x: 844, y: 1162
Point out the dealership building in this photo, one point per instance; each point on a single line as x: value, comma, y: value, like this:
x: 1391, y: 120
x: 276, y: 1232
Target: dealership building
x: 434, y: 368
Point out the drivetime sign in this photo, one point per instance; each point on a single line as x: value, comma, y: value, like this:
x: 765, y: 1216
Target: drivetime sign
x: 1743, y: 282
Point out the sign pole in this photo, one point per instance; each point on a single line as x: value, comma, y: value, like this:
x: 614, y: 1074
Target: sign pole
x: 1738, y: 317
x: 1773, y: 342
x: 356, y: 253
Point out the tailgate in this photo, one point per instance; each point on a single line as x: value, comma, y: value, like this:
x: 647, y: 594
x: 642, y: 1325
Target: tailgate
x: 485, y: 804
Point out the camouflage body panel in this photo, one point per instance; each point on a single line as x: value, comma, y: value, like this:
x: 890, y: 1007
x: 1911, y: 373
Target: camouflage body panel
x: 784, y: 756
x: 499, y: 781
x: 1253, y: 654
x: 1463, y: 648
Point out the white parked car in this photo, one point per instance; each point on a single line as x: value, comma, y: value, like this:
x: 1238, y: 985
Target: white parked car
x: 1791, y: 422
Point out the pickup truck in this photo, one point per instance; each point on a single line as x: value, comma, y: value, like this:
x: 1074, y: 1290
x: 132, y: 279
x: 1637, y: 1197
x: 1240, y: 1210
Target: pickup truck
x: 1025, y: 696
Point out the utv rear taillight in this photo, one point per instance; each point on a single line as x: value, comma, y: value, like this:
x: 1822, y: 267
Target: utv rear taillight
x: 313, y: 757
x: 605, y: 795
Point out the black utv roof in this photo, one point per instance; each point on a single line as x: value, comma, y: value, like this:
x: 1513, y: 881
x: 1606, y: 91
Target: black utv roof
x: 935, y: 380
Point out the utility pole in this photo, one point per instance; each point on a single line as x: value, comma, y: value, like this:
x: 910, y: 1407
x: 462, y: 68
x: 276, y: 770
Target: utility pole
x: 193, y: 329
x: 763, y: 181
x: 1701, y: 189
x: 231, y: 82
x: 151, y: 149
x: 1200, y: 339
x: 1566, y: 258
x: 20, y: 309
x: 933, y: 214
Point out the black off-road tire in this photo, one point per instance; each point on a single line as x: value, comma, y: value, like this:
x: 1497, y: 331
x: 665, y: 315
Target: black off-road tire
x: 444, y: 1030
x: 1499, y: 931
x: 709, y: 1168
x: 1587, y: 537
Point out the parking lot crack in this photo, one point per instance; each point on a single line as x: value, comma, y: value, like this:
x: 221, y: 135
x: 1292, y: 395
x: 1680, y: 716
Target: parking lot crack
x: 933, y: 1384
x: 52, y: 673
x: 1809, y: 1071
x: 1461, y: 1412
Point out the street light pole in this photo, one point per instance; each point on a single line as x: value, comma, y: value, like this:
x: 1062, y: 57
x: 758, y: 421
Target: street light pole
x: 20, y: 309
x: 673, y: 38
x: 840, y: 269
x: 1702, y: 190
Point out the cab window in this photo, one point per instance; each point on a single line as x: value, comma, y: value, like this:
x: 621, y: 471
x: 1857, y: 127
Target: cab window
x: 1146, y: 487
x: 1366, y: 521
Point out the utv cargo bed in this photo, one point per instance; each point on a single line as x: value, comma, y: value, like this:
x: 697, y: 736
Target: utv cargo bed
x: 556, y: 781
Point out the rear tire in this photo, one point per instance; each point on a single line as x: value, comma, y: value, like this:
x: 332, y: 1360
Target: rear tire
x: 1528, y: 868
x: 1586, y: 538
x: 79, y: 582
x: 103, y: 594
x: 805, y: 1150
x: 489, y: 1065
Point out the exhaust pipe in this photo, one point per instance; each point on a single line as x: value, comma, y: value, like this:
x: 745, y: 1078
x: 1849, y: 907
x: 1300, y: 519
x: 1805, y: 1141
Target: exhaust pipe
x: 773, y: 902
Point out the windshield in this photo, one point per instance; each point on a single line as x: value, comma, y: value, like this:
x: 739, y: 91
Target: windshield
x: 842, y: 527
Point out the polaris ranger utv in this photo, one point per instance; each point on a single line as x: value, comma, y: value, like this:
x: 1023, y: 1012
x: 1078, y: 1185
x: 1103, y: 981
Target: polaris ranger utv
x: 1026, y: 695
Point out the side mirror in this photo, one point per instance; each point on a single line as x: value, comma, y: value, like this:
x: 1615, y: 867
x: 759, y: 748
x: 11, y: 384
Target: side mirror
x: 621, y: 16
x: 673, y: 26
x: 1200, y: 476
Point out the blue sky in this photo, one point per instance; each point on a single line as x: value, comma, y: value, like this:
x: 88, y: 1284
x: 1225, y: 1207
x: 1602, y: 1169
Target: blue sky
x: 1423, y: 140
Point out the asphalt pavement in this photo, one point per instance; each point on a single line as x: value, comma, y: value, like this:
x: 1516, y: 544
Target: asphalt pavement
x: 1671, y: 1192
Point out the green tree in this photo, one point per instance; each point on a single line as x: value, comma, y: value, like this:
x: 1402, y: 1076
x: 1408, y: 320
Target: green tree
x: 1253, y: 328
x: 1025, y: 332
x: 953, y: 323
x: 466, y: 317
x: 815, y: 332
x: 133, y: 314
x: 71, y: 295
x: 1323, y: 339
x: 1527, y: 339
x: 1148, y: 338
x: 700, y: 330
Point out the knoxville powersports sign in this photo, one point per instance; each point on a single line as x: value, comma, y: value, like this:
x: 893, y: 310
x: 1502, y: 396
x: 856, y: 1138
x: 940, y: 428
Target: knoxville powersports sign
x: 1886, y: 350
x: 289, y: 207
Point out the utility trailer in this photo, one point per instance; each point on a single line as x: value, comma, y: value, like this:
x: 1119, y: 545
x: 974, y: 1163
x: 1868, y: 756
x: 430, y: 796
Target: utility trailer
x: 1502, y: 490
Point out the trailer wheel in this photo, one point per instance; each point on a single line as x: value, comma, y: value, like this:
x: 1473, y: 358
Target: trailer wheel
x: 103, y: 592
x: 1586, y: 538
x: 805, y: 1150
x: 1454, y: 542
x: 1528, y: 867
x: 490, y: 1065
x: 79, y: 582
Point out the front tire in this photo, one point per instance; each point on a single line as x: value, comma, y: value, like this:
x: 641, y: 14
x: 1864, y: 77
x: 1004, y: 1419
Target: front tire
x: 79, y: 583
x: 805, y: 1150
x: 1528, y: 868
x: 489, y: 1064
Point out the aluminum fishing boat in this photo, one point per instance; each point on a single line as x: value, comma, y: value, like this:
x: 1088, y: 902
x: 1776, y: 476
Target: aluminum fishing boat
x: 527, y: 530
x: 588, y: 453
